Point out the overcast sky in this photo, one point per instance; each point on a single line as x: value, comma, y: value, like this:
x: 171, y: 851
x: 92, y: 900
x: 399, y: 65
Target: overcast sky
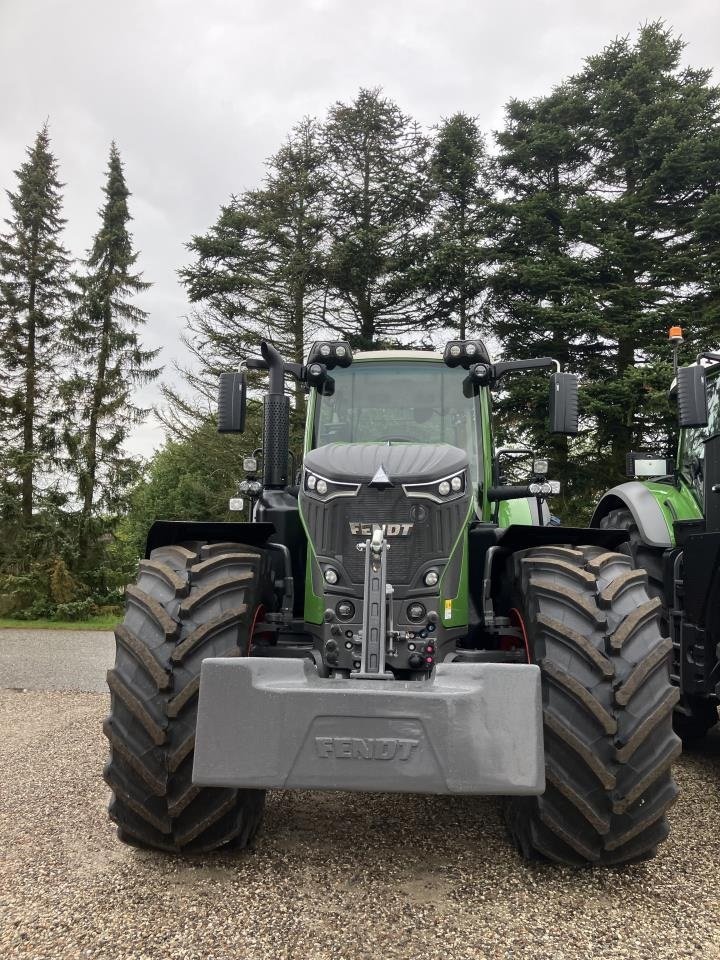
x: 197, y: 93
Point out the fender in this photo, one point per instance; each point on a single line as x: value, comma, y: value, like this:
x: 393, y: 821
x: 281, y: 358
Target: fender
x: 166, y: 532
x: 645, y: 509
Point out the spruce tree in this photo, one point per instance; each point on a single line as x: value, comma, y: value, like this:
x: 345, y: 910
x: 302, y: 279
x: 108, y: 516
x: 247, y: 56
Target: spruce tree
x: 379, y: 205
x: 456, y: 272
x: 539, y: 296
x: 34, y: 287
x: 607, y: 185
x: 257, y: 272
x: 110, y: 363
x: 653, y: 134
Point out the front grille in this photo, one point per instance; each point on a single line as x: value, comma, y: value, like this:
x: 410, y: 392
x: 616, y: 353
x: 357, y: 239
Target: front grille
x: 429, y: 539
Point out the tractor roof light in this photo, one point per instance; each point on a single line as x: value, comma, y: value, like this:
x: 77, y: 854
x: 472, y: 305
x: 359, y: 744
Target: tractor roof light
x: 462, y: 353
x: 330, y: 353
x: 676, y: 335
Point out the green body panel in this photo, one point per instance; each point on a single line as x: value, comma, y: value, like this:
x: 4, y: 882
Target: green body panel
x: 677, y: 502
x: 514, y: 512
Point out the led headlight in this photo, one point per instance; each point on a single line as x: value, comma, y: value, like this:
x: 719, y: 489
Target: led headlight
x: 331, y: 575
x: 448, y: 488
x: 431, y: 578
x: 324, y: 489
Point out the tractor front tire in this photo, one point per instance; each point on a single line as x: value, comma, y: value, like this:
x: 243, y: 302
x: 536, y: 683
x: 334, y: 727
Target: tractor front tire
x: 647, y: 558
x: 189, y: 602
x: 694, y: 716
x: 607, y: 708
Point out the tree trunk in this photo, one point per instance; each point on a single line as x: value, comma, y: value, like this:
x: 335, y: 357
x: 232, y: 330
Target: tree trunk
x: 463, y: 296
x: 623, y: 428
x: 88, y: 479
x: 28, y: 465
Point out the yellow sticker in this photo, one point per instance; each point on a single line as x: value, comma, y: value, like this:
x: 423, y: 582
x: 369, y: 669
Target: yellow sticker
x: 448, y: 609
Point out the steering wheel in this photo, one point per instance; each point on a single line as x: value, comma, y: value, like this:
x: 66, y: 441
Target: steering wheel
x: 387, y: 438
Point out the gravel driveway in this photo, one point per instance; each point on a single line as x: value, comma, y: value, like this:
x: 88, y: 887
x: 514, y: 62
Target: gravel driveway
x: 332, y: 876
x: 55, y: 659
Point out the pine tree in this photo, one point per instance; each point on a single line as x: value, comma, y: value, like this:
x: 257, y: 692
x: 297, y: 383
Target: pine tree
x: 110, y: 363
x: 257, y: 272
x: 379, y: 203
x: 654, y: 134
x: 607, y: 185
x: 34, y: 285
x: 540, y: 300
x: 456, y: 267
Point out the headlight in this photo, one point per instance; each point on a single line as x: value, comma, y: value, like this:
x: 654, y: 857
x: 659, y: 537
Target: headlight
x: 449, y: 488
x: 320, y: 488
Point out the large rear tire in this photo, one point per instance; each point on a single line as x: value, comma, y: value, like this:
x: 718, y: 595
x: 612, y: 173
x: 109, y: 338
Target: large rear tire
x: 189, y: 602
x: 607, y: 707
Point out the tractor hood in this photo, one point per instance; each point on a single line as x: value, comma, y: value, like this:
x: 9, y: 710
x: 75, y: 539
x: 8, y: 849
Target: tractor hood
x: 406, y: 462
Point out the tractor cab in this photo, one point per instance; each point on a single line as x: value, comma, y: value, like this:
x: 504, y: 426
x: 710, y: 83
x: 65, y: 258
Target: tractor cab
x: 362, y: 406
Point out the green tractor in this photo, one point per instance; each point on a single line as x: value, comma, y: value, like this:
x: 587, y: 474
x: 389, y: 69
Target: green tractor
x: 394, y: 617
x: 671, y: 511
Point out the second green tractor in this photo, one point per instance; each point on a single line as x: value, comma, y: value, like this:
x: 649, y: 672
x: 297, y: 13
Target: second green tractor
x: 671, y: 511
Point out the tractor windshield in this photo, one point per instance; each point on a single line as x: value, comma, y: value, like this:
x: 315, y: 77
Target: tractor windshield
x: 401, y: 401
x: 692, y: 449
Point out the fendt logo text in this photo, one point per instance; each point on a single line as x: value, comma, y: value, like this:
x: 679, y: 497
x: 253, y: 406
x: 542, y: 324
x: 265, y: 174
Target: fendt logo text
x: 388, y: 529
x: 365, y: 748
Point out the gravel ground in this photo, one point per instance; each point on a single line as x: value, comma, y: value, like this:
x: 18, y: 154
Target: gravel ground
x: 55, y: 659
x: 332, y: 876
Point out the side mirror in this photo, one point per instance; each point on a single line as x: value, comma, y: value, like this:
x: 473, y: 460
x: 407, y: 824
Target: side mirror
x: 564, y: 403
x: 692, y: 397
x: 232, y: 402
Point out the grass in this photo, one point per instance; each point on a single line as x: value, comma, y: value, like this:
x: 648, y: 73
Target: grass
x: 104, y: 622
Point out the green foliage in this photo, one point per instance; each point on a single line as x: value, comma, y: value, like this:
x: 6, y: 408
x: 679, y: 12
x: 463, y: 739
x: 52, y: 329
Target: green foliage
x: 456, y: 266
x: 256, y: 275
x: 70, y: 361
x: 109, y: 363
x: 606, y: 186
x: 189, y: 479
x: 34, y: 291
x: 379, y: 200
